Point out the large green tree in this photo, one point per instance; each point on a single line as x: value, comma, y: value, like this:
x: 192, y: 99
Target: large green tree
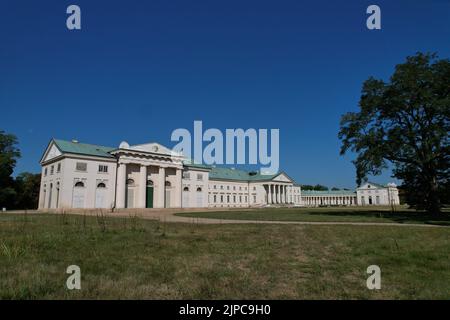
x: 405, y: 122
x: 9, y: 153
x: 27, y: 187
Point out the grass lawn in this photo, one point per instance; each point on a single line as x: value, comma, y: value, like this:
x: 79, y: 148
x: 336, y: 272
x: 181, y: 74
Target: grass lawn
x: 333, y: 214
x: 143, y: 259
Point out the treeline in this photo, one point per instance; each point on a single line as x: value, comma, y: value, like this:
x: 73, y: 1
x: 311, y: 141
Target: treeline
x: 21, y: 192
x: 319, y: 187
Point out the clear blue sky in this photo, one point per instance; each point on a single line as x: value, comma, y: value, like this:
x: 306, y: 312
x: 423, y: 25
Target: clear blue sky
x: 139, y: 69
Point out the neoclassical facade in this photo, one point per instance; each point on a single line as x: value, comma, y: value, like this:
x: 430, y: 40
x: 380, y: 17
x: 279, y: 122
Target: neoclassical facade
x: 80, y: 175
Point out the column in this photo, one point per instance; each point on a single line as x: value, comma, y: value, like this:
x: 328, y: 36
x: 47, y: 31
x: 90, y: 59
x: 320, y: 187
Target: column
x: 178, y: 188
x: 277, y: 192
x: 142, y: 187
x: 121, y: 185
x: 161, y: 188
x: 269, y: 194
x: 286, y: 200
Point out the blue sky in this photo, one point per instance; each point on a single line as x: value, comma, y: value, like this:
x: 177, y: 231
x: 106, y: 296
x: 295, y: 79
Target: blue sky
x: 140, y: 69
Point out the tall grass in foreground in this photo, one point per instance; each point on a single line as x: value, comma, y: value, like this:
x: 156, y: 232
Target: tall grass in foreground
x: 131, y: 258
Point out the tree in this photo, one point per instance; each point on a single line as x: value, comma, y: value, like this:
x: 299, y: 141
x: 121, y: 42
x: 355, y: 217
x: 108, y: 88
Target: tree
x: 27, y: 186
x: 335, y: 189
x: 405, y: 123
x: 8, y: 158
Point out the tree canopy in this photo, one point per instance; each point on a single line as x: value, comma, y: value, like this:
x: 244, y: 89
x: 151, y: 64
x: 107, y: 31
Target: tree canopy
x: 405, y: 122
x: 19, y: 193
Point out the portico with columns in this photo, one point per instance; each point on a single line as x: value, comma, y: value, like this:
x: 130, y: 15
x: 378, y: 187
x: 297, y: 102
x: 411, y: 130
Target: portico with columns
x: 148, y: 176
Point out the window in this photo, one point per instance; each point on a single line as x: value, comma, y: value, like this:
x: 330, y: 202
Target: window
x: 103, y: 168
x: 234, y: 187
x: 228, y: 199
x: 215, y: 187
x: 221, y: 187
x: 101, y: 185
x: 228, y: 187
x: 199, y: 177
x: 240, y: 198
x: 168, y: 184
x: 199, y: 189
x: 185, y: 189
x: 130, y: 182
x: 254, y: 198
x: 45, y: 172
x: 186, y: 175
x: 221, y: 198
x: 234, y: 199
x: 254, y: 188
x: 215, y: 198
x: 81, y: 166
x: 58, y: 168
x: 149, y: 183
x: 52, y: 169
x: 79, y: 184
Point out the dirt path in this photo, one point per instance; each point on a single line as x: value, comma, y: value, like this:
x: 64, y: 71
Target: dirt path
x: 168, y: 215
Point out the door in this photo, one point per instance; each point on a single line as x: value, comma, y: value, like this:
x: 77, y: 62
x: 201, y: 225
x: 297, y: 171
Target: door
x: 185, y: 199
x: 100, y: 198
x: 130, y: 198
x: 149, y: 197
x: 167, y: 200
x: 199, y: 199
x: 78, y: 197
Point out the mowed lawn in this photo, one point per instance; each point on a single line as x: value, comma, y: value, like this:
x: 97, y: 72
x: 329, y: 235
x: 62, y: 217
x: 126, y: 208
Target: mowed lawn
x: 131, y: 258
x: 332, y: 214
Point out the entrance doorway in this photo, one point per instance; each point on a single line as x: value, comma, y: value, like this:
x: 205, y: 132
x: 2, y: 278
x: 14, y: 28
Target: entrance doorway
x: 149, y: 195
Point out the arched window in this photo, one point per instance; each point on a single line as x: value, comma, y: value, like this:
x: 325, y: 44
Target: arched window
x: 79, y: 184
x: 101, y: 185
x: 185, y: 189
x: 168, y: 184
x: 130, y: 182
x: 199, y: 189
x: 149, y: 183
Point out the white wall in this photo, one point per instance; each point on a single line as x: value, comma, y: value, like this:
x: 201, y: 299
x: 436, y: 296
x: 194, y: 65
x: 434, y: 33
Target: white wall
x: 69, y: 176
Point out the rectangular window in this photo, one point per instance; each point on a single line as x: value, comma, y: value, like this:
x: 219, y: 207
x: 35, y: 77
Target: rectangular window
x: 254, y: 199
x: 58, y: 168
x: 199, y: 177
x: 103, y: 168
x: 45, y: 172
x: 52, y: 169
x: 81, y: 166
x: 186, y: 175
x: 215, y: 198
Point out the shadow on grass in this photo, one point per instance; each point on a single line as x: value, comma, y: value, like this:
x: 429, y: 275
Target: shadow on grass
x: 397, y: 216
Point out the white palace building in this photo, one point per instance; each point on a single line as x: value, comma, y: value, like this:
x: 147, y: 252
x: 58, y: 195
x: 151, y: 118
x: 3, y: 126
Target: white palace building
x: 79, y: 175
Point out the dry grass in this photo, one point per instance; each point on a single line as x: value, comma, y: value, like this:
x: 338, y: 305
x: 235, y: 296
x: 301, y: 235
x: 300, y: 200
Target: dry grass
x: 140, y: 259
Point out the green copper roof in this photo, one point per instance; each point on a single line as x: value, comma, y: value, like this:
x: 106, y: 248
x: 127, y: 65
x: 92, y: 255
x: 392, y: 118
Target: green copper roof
x: 328, y: 193
x: 83, y: 148
x: 240, y: 175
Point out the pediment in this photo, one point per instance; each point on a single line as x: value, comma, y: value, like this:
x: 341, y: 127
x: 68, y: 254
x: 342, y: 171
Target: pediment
x: 282, y: 177
x: 51, y: 152
x: 370, y: 185
x: 153, y: 148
